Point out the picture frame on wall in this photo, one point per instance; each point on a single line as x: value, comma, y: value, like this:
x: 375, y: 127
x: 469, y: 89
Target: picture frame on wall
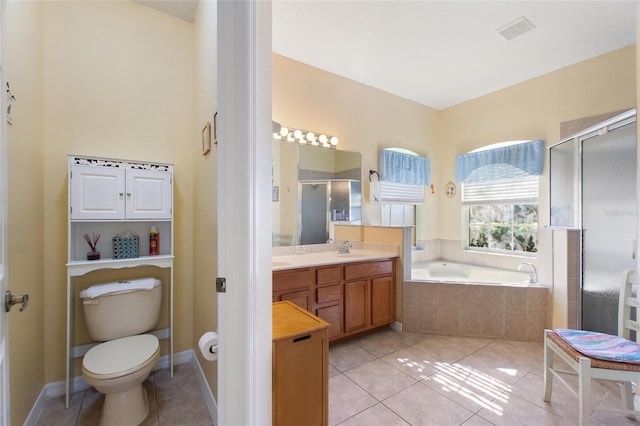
x: 275, y: 193
x: 206, y: 138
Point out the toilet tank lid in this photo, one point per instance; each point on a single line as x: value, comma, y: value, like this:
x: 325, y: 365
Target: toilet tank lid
x: 123, y: 286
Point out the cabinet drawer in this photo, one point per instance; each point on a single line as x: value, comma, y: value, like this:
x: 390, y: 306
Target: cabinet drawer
x: 299, y: 278
x: 329, y: 275
x: 367, y: 269
x: 327, y: 294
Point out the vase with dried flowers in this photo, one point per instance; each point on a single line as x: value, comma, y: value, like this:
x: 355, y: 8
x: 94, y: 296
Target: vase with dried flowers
x: 93, y: 242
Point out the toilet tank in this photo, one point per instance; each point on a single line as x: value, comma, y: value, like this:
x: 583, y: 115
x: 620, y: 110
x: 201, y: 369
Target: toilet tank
x: 122, y: 308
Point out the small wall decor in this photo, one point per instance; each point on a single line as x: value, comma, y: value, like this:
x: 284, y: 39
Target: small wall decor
x: 275, y: 193
x: 206, y: 138
x: 450, y: 189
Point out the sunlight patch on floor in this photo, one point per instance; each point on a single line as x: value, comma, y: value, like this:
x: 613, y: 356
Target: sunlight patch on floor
x: 482, y: 389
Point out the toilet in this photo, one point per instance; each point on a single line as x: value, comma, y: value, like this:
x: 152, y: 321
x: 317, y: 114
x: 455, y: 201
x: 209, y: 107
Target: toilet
x: 117, y: 313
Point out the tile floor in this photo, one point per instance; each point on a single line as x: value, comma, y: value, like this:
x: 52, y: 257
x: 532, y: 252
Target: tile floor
x: 389, y: 378
x: 177, y: 401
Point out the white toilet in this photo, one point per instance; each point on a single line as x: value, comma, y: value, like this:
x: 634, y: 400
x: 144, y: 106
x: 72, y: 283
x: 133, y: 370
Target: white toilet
x: 116, y: 313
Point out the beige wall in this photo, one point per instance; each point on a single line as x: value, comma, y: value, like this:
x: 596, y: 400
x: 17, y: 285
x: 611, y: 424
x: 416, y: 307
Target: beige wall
x: 530, y: 110
x: 363, y: 118
x: 25, y: 204
x: 204, y: 186
x: 117, y: 83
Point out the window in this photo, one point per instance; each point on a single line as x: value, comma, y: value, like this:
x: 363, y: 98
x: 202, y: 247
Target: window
x: 400, y: 215
x: 503, y: 214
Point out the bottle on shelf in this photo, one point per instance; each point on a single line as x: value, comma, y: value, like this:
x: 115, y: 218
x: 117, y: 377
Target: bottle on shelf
x: 154, y: 241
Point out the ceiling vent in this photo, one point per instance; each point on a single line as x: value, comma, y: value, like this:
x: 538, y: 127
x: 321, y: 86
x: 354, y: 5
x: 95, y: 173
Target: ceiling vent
x: 516, y: 28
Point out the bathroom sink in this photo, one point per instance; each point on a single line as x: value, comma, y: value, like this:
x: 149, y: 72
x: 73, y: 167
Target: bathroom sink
x: 280, y: 264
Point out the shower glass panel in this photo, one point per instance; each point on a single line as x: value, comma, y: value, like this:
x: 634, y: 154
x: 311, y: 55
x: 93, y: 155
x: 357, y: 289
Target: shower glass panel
x: 609, y: 223
x: 314, y: 210
x: 564, y: 180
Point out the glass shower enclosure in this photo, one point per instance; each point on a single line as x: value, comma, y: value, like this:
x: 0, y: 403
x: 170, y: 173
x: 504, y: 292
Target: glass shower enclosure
x: 593, y: 188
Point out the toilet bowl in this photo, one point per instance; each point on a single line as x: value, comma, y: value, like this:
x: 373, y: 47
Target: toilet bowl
x: 117, y: 369
x: 116, y: 314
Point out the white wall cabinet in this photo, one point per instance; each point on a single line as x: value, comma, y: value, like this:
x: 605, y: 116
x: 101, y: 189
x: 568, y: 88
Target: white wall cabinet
x: 114, y: 191
x: 110, y: 197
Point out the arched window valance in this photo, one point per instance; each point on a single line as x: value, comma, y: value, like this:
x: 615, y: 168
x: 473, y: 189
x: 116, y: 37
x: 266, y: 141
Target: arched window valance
x: 511, y: 161
x: 401, y: 167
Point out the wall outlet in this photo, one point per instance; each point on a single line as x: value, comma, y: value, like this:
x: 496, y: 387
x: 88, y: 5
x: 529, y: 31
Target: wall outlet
x: 300, y: 250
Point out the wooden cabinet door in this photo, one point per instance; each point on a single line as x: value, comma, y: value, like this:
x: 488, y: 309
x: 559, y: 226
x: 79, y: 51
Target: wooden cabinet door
x: 149, y: 194
x: 300, y: 298
x: 97, y: 193
x: 382, y: 301
x: 356, y: 306
x: 332, y: 315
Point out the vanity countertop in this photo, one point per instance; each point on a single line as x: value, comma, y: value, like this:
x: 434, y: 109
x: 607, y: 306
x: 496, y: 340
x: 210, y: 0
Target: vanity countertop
x: 294, y: 261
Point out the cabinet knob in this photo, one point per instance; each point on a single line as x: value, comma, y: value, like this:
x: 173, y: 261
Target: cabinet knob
x: 128, y: 194
x: 121, y: 194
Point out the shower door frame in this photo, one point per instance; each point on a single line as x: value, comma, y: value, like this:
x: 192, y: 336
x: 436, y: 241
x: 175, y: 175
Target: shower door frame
x: 578, y: 139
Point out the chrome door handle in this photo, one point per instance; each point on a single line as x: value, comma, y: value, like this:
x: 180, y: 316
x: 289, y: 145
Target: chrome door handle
x: 10, y: 300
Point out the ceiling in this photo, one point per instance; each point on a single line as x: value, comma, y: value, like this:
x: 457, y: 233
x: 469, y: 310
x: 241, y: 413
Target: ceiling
x: 441, y: 53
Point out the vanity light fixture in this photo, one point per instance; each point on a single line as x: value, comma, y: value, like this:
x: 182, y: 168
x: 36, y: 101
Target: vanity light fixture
x: 305, y: 137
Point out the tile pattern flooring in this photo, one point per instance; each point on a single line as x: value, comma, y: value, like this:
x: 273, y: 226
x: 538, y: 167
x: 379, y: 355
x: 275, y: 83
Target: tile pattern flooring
x: 387, y: 378
x: 177, y: 401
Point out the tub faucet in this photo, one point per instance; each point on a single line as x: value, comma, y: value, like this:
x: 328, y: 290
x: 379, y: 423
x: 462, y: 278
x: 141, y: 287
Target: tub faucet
x: 344, y: 249
x: 533, y: 276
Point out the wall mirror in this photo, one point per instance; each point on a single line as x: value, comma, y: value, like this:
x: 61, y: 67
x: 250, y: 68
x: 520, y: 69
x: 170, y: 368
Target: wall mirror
x: 313, y: 188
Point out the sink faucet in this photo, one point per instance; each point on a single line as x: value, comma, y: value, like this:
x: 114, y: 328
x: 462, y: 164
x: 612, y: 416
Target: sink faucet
x: 344, y: 249
x: 533, y: 275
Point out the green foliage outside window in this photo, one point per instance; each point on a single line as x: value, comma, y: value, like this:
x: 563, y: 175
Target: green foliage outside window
x: 511, y: 227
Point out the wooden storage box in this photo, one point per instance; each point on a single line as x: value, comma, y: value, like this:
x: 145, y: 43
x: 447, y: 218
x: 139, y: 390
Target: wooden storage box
x: 300, y: 367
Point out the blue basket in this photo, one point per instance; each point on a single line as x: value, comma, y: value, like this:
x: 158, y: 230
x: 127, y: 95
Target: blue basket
x: 125, y: 247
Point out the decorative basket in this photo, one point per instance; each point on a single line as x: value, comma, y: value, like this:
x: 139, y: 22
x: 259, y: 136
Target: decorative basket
x: 125, y: 247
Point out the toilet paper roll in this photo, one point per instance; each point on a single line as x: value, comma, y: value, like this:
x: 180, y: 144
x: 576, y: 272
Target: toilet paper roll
x: 208, y: 344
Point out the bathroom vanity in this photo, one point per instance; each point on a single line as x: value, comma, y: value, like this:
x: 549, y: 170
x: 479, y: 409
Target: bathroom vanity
x: 353, y: 292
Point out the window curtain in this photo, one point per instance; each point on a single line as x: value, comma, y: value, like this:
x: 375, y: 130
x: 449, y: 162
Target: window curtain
x: 518, y: 160
x: 398, y: 167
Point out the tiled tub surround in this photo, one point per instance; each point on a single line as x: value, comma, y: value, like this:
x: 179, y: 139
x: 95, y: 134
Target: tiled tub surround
x: 478, y: 310
x: 493, y: 311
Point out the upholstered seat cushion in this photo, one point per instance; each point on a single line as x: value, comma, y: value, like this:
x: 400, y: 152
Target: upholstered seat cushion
x: 602, y: 346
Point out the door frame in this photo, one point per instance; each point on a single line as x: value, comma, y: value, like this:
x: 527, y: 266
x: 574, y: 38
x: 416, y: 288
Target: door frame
x: 244, y: 211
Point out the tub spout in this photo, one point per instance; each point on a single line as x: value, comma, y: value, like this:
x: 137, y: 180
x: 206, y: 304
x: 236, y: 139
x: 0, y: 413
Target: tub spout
x: 533, y: 276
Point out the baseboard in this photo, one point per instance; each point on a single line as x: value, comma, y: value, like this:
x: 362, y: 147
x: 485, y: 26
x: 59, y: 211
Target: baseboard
x: 396, y: 326
x: 56, y: 389
x: 206, y: 391
x: 37, y: 408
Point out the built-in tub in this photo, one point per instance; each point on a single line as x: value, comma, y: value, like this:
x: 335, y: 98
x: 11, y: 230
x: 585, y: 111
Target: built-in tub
x: 451, y: 272
x: 451, y: 298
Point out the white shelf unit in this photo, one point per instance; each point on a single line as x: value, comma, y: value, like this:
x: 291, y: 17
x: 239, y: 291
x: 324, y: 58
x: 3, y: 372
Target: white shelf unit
x: 110, y: 197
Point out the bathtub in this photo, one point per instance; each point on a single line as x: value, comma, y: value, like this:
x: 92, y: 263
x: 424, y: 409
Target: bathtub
x: 442, y: 271
x: 458, y: 299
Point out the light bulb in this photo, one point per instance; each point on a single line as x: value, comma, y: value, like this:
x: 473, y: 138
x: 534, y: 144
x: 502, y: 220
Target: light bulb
x: 311, y: 137
x: 297, y: 134
x: 333, y: 140
x: 284, y: 131
x: 290, y: 137
x: 322, y: 139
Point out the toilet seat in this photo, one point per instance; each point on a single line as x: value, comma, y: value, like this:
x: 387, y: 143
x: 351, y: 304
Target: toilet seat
x: 119, y: 357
